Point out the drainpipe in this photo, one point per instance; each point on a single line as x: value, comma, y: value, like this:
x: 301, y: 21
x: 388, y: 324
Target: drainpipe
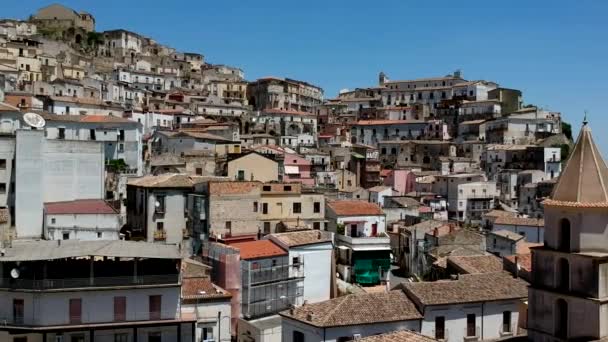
x: 482, y: 317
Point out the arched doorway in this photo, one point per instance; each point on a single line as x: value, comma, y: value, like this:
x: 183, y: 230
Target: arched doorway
x: 564, y: 235
x: 561, y: 318
x: 563, y: 273
x: 78, y: 39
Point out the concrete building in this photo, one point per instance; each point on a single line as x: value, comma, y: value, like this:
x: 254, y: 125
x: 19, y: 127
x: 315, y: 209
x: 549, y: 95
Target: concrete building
x: 371, y: 132
x: 92, y: 290
x: 253, y: 167
x: 284, y: 94
x: 61, y: 17
x: 234, y: 208
x: 363, y: 245
x: 341, y: 319
x: 476, y: 307
x: 568, y: 272
x: 156, y: 207
x: 311, y: 251
x: 290, y: 204
x: 81, y: 220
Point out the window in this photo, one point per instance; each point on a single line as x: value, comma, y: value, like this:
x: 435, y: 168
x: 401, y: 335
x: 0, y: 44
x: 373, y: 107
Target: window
x: 266, y: 188
x: 121, y: 337
x: 240, y: 175
x: 19, y: 339
x: 92, y: 134
x: 66, y: 236
x: 266, y: 227
x: 18, y: 307
x: 264, y: 208
x: 155, y: 337
x: 120, y: 308
x: 229, y: 226
x: 99, y: 235
x: 61, y: 133
x: 316, y: 225
x: 287, y: 188
x: 298, y: 336
x: 2, y: 164
x: 471, y: 329
x: 154, y: 305
x: 506, y: 322
x: 53, y: 220
x: 2, y: 188
x: 440, y: 328
x: 297, y: 208
x: 316, y: 207
x: 160, y: 204
x: 255, y: 207
x: 75, y: 311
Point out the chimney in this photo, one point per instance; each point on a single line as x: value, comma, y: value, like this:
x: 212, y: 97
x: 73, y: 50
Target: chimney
x: 305, y: 303
x: 319, y: 235
x: 454, y: 276
x: 435, y: 232
x: 58, y: 243
x: 309, y: 316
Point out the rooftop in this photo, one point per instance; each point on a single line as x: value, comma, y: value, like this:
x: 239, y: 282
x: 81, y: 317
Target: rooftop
x: 202, y: 288
x: 398, y: 336
x: 357, y: 309
x: 258, y: 249
x: 301, y: 238
x: 171, y: 180
x: 354, y: 208
x: 515, y: 220
x: 475, y: 264
x: 50, y: 249
x: 584, y: 180
x: 388, y: 122
x: 232, y: 188
x: 83, y: 206
x: 507, y: 234
x: 468, y: 288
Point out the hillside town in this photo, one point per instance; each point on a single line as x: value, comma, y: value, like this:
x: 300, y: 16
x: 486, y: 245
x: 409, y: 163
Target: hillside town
x: 149, y: 195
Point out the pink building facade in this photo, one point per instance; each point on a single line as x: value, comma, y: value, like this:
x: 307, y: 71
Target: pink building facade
x: 297, y: 169
x: 402, y: 181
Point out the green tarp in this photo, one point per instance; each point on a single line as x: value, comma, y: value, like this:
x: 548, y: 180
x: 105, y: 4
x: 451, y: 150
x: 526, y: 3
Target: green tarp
x: 367, y: 266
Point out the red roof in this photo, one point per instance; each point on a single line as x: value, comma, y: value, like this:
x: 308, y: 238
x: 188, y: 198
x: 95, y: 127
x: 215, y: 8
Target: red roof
x: 103, y: 118
x: 84, y: 206
x: 355, y: 208
x: 258, y: 249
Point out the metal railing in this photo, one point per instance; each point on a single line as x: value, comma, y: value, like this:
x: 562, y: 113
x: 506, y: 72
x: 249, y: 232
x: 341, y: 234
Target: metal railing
x: 49, y: 284
x: 90, y: 316
x: 471, y: 334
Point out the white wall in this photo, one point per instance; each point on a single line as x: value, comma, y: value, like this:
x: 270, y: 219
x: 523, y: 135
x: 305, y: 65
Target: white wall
x: 317, y: 270
x: 82, y: 226
x: 207, y: 318
x: 173, y: 218
x: 312, y: 334
x: 488, y: 315
x: 531, y: 233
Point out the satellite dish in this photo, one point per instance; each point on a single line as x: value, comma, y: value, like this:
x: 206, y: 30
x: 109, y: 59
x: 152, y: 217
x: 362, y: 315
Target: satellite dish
x: 34, y: 120
x: 15, y: 273
x: 157, y: 204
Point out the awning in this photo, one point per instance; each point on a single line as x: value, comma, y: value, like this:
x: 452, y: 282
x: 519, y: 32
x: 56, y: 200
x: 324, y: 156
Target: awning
x: 291, y: 170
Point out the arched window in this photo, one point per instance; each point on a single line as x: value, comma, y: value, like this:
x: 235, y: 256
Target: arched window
x: 561, y: 318
x: 563, y: 273
x: 564, y: 235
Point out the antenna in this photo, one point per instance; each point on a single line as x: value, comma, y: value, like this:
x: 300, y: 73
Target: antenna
x: 585, y: 122
x: 34, y: 120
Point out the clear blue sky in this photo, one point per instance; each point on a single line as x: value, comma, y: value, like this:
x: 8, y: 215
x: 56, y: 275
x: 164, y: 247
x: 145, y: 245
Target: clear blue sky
x: 555, y: 51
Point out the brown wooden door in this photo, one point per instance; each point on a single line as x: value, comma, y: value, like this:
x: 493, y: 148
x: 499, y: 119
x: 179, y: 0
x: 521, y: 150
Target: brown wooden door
x: 155, y: 304
x: 120, y: 308
x: 18, y: 307
x: 75, y: 311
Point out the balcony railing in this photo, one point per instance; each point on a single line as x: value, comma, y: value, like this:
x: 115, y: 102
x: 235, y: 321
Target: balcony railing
x: 160, y: 235
x: 90, y: 316
x: 471, y: 334
x: 50, y: 284
x: 441, y: 335
x: 379, y: 240
x: 274, y: 274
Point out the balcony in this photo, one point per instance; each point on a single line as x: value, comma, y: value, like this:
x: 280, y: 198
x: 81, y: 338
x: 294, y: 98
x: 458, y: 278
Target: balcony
x: 471, y: 334
x: 507, y: 330
x: 380, y: 241
x: 160, y: 235
x: 68, y: 283
x: 441, y: 335
x: 274, y: 274
x: 91, y: 316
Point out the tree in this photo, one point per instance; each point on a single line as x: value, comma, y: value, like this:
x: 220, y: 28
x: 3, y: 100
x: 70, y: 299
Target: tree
x: 567, y: 130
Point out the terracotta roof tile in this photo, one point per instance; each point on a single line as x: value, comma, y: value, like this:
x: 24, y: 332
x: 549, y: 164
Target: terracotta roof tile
x: 301, y: 238
x: 468, y: 288
x: 83, y: 206
x: 476, y: 263
x: 169, y: 180
x: 202, y: 288
x: 507, y: 234
x: 398, y: 336
x: 356, y: 309
x: 354, y: 208
x: 104, y: 119
x: 234, y: 188
x: 258, y: 249
x: 519, y: 221
x: 524, y: 260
